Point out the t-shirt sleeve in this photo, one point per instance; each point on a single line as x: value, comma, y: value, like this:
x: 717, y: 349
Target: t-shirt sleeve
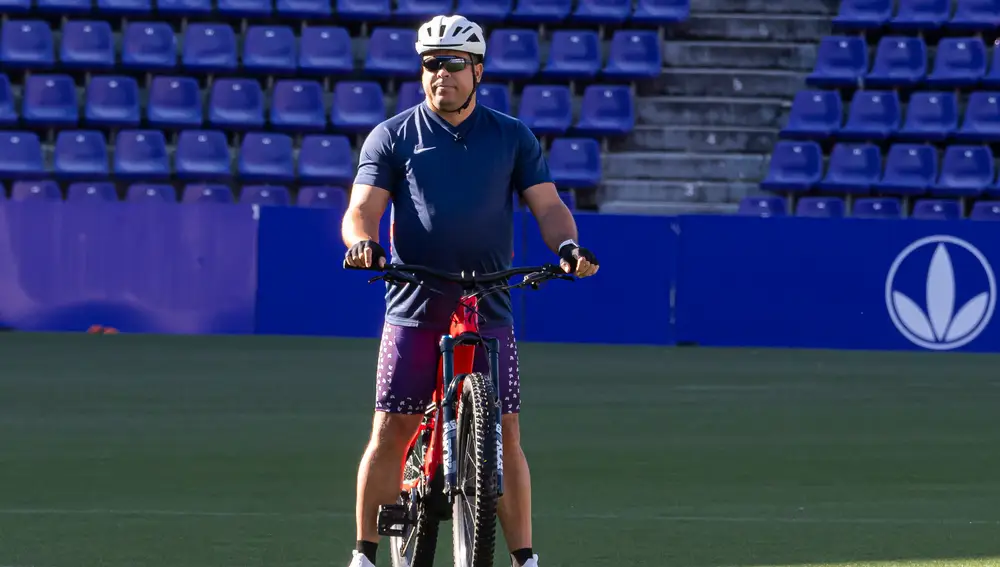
x: 530, y: 167
x: 375, y: 166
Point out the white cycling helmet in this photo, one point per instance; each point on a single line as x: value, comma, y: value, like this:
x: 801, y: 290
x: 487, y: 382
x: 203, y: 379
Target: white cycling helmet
x: 451, y: 32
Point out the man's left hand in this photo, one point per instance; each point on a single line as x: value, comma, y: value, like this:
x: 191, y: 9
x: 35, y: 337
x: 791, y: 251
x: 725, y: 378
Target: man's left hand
x: 578, y: 261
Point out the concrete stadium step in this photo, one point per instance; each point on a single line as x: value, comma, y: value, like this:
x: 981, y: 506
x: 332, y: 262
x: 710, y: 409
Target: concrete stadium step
x: 818, y: 7
x: 739, y: 54
x: 725, y: 83
x: 706, y: 111
x: 665, y: 208
x: 684, y: 166
x: 687, y: 191
x: 761, y: 27
x: 703, y: 139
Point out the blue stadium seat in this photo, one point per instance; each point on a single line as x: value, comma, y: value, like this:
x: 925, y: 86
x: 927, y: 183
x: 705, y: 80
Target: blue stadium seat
x: 304, y: 8
x: 366, y: 10
x: 64, y: 6
x: 321, y: 196
x: 573, y: 54
x: 125, y: 7
x: 855, y: 15
x: 174, y: 102
x: 411, y: 93
x: 966, y: 171
x: 266, y: 157
x: 8, y: 112
x: 390, y: 52
x: 633, y: 55
x: 269, y: 49
x: 873, y: 115
x: 326, y: 159
x: 87, y: 44
x: 422, y: 9
x: 920, y: 15
x: 877, y: 208
x: 910, y: 169
x: 936, y: 209
x: 236, y: 102
x: 975, y: 15
x: 209, y: 47
x: 814, y: 114
x: 81, y: 154
x: 541, y: 11
x: 795, y: 167
x: 88, y: 192
x: 14, y: 7
x: 762, y: 206
x: 184, y: 8
x: 485, y: 11
x: 298, y: 105
x: 991, y: 79
x: 514, y: 54
x: 841, y: 61
x: 50, y: 100
x: 959, y: 62
x: 151, y: 193
x: 112, y: 101
x: 38, y: 190
x: 930, y: 116
x: 605, y: 12
x: 266, y: 195
x: 358, y: 106
x: 202, y: 155
x: 985, y: 210
x: 494, y: 96
x: 325, y: 50
x: 899, y: 62
x: 661, y: 11
x: 149, y: 46
x: 207, y: 194
x: 26, y: 43
x: 244, y: 8
x: 820, y: 207
x: 852, y: 169
x: 141, y: 154
x: 20, y: 154
x: 981, y: 122
x: 575, y: 163
x: 606, y: 110
x: 546, y: 109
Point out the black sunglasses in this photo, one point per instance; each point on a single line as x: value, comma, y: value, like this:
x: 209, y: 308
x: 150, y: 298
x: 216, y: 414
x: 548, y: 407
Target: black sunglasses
x: 450, y: 64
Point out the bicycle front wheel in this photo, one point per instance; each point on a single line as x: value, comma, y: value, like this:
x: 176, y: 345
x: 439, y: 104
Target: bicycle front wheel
x: 475, y: 504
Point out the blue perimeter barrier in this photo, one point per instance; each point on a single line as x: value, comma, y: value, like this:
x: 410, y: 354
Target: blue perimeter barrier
x: 706, y: 280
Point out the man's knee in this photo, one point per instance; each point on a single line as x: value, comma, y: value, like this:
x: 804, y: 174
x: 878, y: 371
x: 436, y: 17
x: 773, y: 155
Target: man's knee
x: 393, y: 430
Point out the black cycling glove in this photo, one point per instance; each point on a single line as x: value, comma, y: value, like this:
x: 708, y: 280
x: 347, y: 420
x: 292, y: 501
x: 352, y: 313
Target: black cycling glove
x: 571, y: 253
x: 356, y: 254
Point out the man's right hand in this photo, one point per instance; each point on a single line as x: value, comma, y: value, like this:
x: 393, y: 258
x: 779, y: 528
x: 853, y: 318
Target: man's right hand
x: 365, y: 254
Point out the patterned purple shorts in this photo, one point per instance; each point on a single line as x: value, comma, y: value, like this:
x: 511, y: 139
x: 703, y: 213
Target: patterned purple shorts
x: 408, y: 364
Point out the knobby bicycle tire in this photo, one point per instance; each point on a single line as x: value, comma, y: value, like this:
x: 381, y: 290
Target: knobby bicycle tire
x: 425, y: 531
x: 477, y: 467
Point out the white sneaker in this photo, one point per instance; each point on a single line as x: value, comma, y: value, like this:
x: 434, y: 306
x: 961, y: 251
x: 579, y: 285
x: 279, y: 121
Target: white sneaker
x: 533, y: 562
x: 360, y: 560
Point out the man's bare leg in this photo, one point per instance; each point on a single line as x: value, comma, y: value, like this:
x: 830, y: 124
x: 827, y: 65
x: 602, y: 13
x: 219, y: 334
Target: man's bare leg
x: 515, y: 505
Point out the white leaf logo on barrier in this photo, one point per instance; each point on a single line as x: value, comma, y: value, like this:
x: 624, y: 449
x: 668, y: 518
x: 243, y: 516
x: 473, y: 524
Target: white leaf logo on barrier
x: 940, y: 327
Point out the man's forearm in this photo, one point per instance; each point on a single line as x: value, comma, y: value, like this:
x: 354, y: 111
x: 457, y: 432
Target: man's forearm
x: 357, y: 227
x: 557, y: 225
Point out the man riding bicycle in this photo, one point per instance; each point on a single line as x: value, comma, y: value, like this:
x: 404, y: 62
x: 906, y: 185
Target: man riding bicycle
x: 450, y: 167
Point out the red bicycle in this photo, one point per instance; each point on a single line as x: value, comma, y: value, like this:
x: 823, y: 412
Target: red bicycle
x: 453, y: 466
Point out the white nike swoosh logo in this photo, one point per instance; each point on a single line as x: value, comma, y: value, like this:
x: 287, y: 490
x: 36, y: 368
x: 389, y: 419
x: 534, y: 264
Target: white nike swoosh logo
x: 422, y: 150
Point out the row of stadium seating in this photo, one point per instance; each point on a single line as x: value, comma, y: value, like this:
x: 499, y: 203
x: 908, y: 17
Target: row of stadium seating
x: 293, y: 105
x: 205, y: 155
x: 867, y: 208
x: 918, y: 15
x: 656, y: 12
x: 514, y: 54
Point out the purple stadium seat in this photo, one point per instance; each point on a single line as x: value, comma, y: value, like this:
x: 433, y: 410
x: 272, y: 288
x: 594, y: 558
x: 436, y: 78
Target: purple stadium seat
x: 390, y: 52
x: 209, y: 47
x: 326, y: 159
x: 149, y: 46
x: 207, y: 194
x: 872, y: 115
x: 304, y: 8
x: 50, y: 100
x: 322, y: 196
x: 541, y: 11
x: 81, y: 154
x: 575, y: 163
x: 910, y: 169
x: 184, y: 7
x: 936, y: 209
x: 852, y: 169
x: 112, y: 101
x: 513, y: 54
x: 151, y: 193
x: 661, y: 11
x: 411, y: 93
x: 762, y: 206
x: 37, y: 190
x: 930, y: 116
x: 84, y: 192
x: 495, y: 96
x: 266, y: 158
x: 326, y: 50
x: 877, y: 208
x: 202, y: 155
x: 814, y: 115
x: 26, y: 43
x: 20, y: 154
x: 298, y: 105
x: 174, y: 102
x: 959, y: 62
x: 602, y: 11
x: 985, y: 210
x: 268, y: 195
x: 422, y: 9
x: 975, y: 15
x: 634, y: 55
x: 244, y: 8
x: 13, y: 7
x: 966, y: 171
x: 981, y: 122
x: 8, y: 112
x: 899, y: 62
x: 236, y: 103
x: 125, y: 7
x: 573, y: 54
x: 358, y: 106
x: 269, y: 49
x: 87, y: 44
x: 64, y: 6
x: 855, y: 15
x: 920, y: 15
x: 794, y: 167
x: 141, y: 154
x: 606, y: 110
x: 820, y: 207
x: 546, y: 109
x: 841, y: 61
x: 366, y: 10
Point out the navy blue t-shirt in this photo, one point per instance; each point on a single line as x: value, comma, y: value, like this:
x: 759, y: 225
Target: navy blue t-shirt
x: 452, y: 202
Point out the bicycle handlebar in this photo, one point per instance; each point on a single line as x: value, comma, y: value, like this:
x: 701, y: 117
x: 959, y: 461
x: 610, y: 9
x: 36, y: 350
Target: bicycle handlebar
x: 404, y: 272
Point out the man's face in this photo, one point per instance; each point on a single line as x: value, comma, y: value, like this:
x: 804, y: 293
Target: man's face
x: 448, y: 90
